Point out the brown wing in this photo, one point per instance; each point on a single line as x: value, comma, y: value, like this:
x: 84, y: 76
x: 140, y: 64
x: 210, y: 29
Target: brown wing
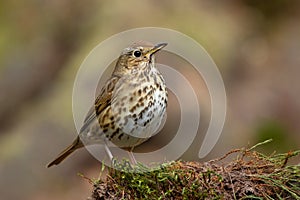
x: 102, y: 101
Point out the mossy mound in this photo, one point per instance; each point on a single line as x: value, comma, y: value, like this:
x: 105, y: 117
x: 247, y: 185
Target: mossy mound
x: 251, y: 175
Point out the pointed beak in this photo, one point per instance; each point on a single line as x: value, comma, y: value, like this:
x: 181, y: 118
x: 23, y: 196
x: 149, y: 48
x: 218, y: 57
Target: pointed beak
x: 156, y: 48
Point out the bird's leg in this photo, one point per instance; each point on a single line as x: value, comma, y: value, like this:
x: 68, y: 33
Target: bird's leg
x: 131, y: 156
x: 108, y: 152
x: 111, y: 157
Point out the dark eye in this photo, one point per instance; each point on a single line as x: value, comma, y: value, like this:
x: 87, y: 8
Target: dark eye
x: 137, y: 53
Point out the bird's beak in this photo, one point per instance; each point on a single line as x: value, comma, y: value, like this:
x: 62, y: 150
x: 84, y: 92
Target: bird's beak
x: 156, y: 48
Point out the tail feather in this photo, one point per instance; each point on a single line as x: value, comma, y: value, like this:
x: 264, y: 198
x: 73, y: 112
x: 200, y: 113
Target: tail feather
x: 65, y: 153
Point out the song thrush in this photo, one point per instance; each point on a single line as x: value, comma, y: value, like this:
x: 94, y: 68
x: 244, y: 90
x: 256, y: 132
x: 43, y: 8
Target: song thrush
x: 131, y: 105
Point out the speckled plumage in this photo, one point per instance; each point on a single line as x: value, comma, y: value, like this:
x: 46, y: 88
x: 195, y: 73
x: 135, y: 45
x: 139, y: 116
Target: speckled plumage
x: 131, y: 105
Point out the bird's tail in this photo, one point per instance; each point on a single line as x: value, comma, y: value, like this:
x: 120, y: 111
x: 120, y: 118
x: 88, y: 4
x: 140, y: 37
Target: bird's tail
x: 65, y: 153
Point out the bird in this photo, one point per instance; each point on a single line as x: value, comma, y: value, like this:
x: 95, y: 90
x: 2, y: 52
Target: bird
x: 130, y: 107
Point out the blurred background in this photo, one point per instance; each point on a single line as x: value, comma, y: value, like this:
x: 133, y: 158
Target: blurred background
x: 255, y: 44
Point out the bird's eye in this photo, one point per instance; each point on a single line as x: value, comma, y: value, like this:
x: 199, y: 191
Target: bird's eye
x: 137, y: 53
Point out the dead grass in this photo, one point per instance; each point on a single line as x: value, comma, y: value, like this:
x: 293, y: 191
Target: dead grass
x: 251, y: 175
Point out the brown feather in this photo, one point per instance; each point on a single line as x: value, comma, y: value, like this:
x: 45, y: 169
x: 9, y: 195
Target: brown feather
x: 102, y: 101
x: 65, y: 153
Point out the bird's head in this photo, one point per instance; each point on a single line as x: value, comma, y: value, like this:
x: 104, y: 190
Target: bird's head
x: 137, y: 57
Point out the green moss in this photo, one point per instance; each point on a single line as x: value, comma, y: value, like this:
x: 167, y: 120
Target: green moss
x: 251, y: 175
